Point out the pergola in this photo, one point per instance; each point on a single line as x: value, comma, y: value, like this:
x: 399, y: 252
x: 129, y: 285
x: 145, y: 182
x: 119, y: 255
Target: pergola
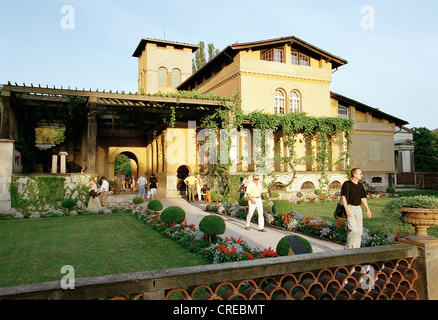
x: 102, y: 109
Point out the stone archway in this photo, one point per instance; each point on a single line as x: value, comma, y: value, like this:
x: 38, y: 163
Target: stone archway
x: 136, y: 155
x: 182, y: 173
x: 134, y: 162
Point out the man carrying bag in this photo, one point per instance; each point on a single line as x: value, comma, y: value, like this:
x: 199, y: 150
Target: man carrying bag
x: 354, y: 191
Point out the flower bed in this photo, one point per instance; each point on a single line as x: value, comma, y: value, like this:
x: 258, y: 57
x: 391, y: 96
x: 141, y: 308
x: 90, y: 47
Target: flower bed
x: 53, y: 213
x: 315, y: 227
x: 219, y: 251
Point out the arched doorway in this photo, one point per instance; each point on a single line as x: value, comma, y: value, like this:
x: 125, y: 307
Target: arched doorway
x: 127, y: 163
x: 182, y: 173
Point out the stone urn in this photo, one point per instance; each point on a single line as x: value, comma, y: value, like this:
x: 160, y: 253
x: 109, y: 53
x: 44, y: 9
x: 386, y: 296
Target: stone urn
x: 421, y: 219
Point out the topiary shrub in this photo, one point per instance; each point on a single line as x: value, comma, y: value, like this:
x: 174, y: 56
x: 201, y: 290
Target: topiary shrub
x: 390, y: 189
x: 155, y: 205
x: 173, y: 215
x: 212, y: 225
x: 281, y: 207
x: 137, y: 200
x: 283, y: 245
x: 216, y: 197
x: 243, y: 202
x: 68, y: 203
x: 318, y: 192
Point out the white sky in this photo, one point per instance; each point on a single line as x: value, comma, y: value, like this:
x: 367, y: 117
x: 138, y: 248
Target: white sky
x: 392, y: 66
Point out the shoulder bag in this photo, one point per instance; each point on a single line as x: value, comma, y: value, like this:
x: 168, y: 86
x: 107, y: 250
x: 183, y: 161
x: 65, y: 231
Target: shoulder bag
x: 340, y: 212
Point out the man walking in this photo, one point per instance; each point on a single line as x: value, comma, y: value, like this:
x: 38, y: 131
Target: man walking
x: 353, y: 195
x: 141, y: 181
x: 254, y: 194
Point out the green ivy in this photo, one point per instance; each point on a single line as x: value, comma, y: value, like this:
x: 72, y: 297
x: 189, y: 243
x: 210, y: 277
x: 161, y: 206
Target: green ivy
x: 45, y: 192
x: 323, y: 130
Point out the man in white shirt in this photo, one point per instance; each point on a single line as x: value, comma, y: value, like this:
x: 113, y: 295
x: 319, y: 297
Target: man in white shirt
x: 141, y: 181
x: 254, y: 194
x: 104, y: 192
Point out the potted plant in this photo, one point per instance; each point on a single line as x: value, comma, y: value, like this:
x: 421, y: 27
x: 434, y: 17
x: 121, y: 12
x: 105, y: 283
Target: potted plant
x: 419, y: 211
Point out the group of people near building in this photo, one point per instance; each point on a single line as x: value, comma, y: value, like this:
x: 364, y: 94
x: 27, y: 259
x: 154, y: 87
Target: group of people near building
x: 353, y: 195
x: 98, y: 196
x: 194, y: 183
x: 124, y: 182
x: 147, y: 188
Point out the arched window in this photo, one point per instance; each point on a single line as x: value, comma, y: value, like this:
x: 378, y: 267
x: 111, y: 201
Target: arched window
x: 295, y: 101
x: 162, y: 77
x: 307, y: 186
x: 335, y: 185
x: 280, y: 102
x: 176, y: 78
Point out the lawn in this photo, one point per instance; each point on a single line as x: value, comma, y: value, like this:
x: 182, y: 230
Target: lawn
x: 34, y: 250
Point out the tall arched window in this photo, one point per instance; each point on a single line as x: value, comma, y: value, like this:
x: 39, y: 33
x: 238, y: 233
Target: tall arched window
x: 162, y: 77
x: 295, y: 101
x: 280, y: 102
x: 176, y: 78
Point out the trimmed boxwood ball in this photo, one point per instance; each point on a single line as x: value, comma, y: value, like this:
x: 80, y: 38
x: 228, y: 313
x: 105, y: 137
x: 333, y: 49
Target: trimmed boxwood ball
x: 243, y: 202
x: 212, y: 225
x: 283, y: 245
x: 173, y: 214
x: 281, y: 207
x: 137, y: 200
x: 68, y: 203
x: 155, y: 205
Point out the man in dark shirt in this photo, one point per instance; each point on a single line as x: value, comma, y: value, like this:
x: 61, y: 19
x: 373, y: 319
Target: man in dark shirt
x: 153, y: 186
x: 353, y: 195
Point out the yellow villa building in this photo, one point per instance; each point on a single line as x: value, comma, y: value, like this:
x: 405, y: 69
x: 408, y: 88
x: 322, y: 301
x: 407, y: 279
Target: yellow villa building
x: 278, y: 76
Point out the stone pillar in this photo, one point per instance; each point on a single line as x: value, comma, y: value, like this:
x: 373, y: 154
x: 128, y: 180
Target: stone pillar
x: 426, y: 265
x: 54, y: 163
x: 62, y: 161
x: 6, y: 165
x: 7, y: 118
x: 91, y: 141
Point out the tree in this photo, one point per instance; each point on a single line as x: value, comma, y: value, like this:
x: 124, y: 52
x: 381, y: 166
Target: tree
x: 200, y: 59
x: 426, y: 150
x: 122, y: 163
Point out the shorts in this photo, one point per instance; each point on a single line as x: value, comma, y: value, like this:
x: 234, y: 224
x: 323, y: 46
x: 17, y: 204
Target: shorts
x: 153, y: 191
x: 141, y: 190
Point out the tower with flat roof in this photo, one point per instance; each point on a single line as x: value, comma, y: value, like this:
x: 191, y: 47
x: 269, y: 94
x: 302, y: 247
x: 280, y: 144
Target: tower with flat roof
x: 163, y: 65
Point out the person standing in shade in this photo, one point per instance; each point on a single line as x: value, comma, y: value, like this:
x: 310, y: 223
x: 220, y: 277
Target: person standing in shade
x: 153, y: 186
x: 190, y: 182
x: 104, y: 189
x: 243, y: 187
x: 122, y: 179
x: 254, y: 194
x: 199, y: 185
x: 353, y: 195
x: 141, y: 181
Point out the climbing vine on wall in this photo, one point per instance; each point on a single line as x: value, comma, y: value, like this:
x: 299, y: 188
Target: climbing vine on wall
x: 323, y: 130
x: 37, y: 193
